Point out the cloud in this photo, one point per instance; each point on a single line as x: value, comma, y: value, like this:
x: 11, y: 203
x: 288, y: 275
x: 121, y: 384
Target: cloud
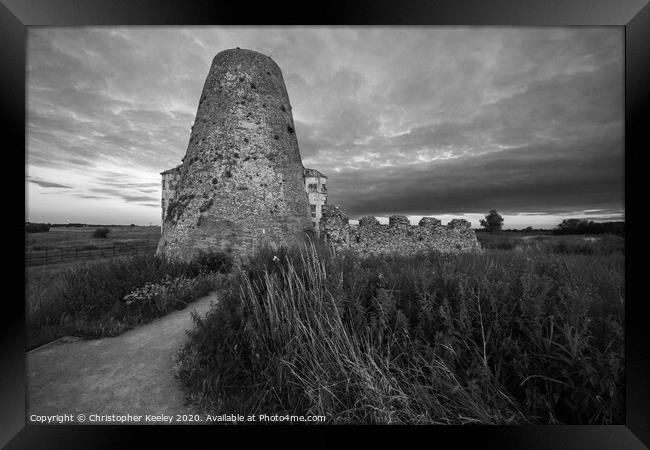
x: 48, y: 184
x: 91, y: 197
x: 526, y: 179
x: 136, y: 198
x: 128, y: 196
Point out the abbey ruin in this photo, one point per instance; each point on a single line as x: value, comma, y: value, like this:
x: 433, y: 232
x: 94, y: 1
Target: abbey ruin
x: 242, y: 183
x: 399, y: 236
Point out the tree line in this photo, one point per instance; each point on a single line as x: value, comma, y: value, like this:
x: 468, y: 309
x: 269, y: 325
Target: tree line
x: 494, y: 222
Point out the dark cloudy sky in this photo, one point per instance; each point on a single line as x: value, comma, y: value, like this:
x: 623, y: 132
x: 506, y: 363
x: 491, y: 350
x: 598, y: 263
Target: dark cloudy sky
x: 442, y: 121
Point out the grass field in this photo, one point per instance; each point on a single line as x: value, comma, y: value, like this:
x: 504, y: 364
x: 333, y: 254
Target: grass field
x: 45, y: 282
x: 66, y: 237
x: 528, y: 331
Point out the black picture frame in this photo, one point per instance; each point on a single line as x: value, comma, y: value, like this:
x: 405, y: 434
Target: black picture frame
x: 633, y: 15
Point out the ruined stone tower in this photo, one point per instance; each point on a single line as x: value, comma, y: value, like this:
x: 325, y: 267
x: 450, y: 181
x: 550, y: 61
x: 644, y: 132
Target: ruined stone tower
x: 241, y: 183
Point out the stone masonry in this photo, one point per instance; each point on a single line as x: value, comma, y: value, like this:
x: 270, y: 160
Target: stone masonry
x: 170, y: 179
x: 399, y: 236
x: 241, y: 182
x: 315, y: 186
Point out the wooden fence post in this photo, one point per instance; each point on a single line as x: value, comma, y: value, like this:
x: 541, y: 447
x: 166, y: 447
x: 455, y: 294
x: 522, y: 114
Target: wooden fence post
x: 45, y: 255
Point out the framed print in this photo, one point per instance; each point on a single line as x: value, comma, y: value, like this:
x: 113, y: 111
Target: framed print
x: 390, y: 219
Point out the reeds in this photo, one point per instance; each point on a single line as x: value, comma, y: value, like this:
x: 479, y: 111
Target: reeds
x: 444, y: 339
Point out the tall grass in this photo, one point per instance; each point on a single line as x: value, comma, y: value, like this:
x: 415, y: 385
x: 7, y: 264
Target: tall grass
x: 501, y: 337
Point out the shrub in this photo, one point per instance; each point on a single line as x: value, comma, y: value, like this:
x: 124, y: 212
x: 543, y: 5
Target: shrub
x: 155, y: 299
x: 213, y: 262
x: 101, y: 233
x: 499, y: 337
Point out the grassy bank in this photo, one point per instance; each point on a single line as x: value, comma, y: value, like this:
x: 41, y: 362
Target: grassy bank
x: 529, y: 336
x: 109, y: 297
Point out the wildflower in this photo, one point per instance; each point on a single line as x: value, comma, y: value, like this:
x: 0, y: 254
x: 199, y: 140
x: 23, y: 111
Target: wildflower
x: 275, y: 258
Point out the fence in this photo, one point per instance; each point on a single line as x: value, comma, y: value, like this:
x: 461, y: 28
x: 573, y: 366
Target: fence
x: 39, y: 257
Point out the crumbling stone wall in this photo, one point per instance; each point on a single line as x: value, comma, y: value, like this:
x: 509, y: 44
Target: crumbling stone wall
x: 241, y: 182
x: 334, y: 226
x: 399, y: 236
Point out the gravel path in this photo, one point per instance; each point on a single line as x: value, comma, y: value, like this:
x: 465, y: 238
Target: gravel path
x: 128, y: 374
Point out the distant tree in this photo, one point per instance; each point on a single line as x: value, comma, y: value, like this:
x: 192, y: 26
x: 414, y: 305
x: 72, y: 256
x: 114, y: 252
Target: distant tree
x: 528, y: 228
x: 572, y: 226
x: 493, y: 221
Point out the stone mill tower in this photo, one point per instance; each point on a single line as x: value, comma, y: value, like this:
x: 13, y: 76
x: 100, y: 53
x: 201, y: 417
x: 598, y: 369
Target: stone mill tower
x: 241, y: 182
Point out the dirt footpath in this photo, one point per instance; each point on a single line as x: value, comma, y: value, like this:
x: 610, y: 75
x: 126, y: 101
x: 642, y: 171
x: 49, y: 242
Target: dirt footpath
x: 128, y: 374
